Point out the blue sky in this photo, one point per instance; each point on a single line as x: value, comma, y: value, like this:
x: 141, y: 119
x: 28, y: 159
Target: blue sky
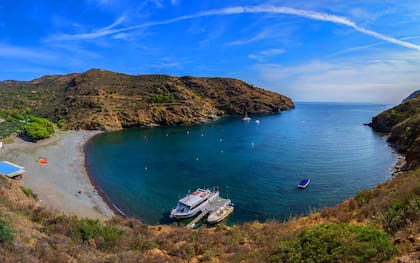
x: 354, y: 51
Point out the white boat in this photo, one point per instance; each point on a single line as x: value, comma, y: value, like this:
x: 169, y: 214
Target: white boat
x: 257, y: 121
x: 246, y: 118
x: 193, y: 203
x: 220, y: 213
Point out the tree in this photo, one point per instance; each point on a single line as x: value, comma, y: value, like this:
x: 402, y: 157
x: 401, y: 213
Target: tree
x: 39, y: 128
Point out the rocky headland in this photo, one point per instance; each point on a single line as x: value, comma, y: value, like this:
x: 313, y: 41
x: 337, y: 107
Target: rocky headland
x: 402, y: 123
x: 104, y: 100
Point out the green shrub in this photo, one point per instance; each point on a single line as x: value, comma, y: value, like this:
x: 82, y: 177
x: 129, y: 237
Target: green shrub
x: 336, y: 243
x: 6, y: 234
x: 44, y: 122
x: 106, y: 237
x: 401, y: 212
x: 61, y: 124
x: 86, y: 229
x: 111, y: 236
x: 161, y: 98
x: 365, y: 196
x: 38, y: 128
x: 28, y: 192
x: 36, y: 131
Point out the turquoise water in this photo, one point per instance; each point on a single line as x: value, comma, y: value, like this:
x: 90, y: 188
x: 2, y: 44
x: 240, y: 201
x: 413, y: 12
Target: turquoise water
x: 145, y: 171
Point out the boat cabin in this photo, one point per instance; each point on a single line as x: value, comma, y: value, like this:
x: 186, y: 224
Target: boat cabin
x: 193, y: 200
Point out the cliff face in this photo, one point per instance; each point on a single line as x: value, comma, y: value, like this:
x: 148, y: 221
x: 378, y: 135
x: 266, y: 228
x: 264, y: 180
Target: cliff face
x: 99, y: 99
x: 402, y: 122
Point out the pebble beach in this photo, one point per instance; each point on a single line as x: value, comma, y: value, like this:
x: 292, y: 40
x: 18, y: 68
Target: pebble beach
x: 61, y: 183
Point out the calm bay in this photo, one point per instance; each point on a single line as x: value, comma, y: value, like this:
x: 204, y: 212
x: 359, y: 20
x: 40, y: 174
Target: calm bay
x: 145, y: 171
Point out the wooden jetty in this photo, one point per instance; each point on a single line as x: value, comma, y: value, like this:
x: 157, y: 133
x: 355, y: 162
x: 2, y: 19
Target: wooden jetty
x: 212, y: 206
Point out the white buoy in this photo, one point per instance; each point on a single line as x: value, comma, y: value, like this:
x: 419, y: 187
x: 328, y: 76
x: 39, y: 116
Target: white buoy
x: 257, y: 121
x: 188, y: 132
x: 220, y: 140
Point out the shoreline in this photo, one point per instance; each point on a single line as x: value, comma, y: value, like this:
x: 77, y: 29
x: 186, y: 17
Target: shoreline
x: 63, y: 184
x: 104, y: 197
x: 96, y: 205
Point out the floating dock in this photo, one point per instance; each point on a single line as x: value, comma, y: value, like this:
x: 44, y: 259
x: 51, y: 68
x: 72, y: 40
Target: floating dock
x: 212, y: 206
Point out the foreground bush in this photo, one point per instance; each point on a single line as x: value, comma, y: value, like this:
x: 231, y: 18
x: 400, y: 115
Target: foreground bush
x: 337, y: 243
x: 106, y: 237
x: 29, y: 193
x: 6, y: 234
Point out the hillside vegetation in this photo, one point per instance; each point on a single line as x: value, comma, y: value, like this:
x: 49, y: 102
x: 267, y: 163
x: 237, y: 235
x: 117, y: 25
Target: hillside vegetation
x: 402, y: 122
x: 377, y: 225
x: 104, y: 100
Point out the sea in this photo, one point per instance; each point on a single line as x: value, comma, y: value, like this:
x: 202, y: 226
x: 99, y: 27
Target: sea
x: 145, y: 171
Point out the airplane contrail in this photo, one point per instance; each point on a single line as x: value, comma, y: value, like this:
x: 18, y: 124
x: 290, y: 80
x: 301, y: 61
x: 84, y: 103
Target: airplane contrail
x: 270, y: 9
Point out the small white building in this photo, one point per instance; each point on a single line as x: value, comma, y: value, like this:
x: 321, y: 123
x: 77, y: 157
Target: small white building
x: 11, y: 170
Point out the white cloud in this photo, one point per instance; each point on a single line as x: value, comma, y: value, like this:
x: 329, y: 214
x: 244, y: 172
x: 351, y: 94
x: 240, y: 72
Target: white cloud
x: 262, y: 35
x: 249, y: 10
x: 116, y: 23
x: 262, y: 55
x: 8, y: 51
x: 381, y: 78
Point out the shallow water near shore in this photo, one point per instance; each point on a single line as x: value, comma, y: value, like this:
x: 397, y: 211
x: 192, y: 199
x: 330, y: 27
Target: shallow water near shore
x: 145, y: 171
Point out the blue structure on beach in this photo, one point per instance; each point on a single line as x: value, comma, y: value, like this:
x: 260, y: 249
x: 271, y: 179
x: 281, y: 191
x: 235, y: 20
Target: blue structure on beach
x: 10, y: 169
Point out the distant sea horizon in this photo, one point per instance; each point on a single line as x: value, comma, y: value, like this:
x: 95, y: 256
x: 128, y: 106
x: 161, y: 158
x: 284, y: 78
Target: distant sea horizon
x: 144, y: 171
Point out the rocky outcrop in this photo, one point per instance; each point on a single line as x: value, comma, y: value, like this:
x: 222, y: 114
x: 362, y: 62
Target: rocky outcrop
x: 402, y: 122
x: 103, y: 100
x: 411, y: 96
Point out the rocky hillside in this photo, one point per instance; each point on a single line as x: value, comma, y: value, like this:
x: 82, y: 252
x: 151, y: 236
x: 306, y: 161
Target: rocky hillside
x: 99, y: 99
x: 412, y: 96
x: 402, y: 122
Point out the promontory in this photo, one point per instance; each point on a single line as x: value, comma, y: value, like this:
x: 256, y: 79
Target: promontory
x: 103, y: 100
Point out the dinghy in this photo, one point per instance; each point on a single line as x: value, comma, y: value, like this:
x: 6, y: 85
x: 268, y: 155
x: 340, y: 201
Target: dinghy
x: 220, y: 213
x: 304, y: 183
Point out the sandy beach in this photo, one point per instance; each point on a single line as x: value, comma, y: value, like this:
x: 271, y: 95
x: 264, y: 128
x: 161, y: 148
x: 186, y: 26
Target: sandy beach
x: 62, y: 184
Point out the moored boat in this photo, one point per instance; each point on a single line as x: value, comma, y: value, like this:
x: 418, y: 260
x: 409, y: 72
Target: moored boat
x: 221, y: 213
x: 246, y: 118
x: 304, y: 183
x: 193, y: 203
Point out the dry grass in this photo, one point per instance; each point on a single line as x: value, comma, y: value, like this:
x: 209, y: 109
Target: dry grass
x: 44, y: 235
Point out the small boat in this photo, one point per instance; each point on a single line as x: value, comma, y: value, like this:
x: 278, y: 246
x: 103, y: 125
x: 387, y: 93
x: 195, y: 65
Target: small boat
x: 246, y: 118
x: 257, y: 121
x: 304, y: 183
x: 193, y: 203
x: 221, y: 213
x: 42, y: 161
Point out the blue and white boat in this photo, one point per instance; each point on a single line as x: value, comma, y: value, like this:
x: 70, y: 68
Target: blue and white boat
x: 304, y: 183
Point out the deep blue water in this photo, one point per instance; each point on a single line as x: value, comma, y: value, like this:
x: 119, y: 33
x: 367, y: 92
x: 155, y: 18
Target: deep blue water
x: 145, y: 171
